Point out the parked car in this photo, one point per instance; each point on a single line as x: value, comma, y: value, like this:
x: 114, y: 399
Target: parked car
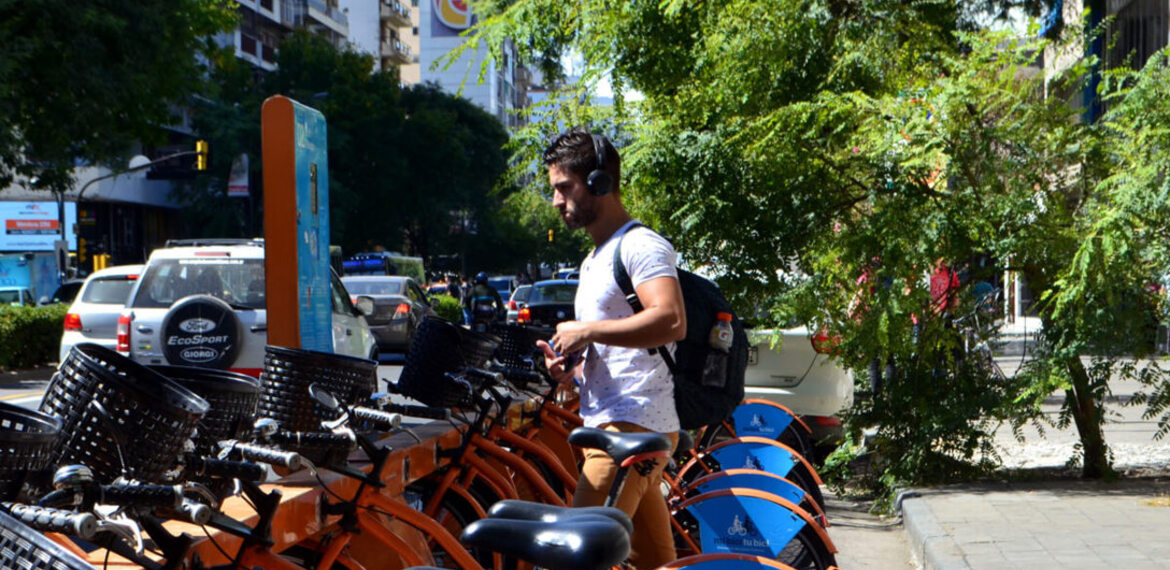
x: 518, y: 301
x: 66, y: 292
x: 93, y: 315
x: 799, y: 373
x: 17, y: 297
x: 550, y: 302
x: 399, y: 306
x: 202, y: 303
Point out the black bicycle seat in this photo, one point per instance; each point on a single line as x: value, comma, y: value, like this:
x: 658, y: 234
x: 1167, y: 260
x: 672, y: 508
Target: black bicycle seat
x: 619, y: 445
x: 513, y: 509
x: 589, y: 542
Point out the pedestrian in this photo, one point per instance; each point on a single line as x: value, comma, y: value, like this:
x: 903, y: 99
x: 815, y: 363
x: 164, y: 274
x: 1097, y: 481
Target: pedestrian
x: 623, y: 386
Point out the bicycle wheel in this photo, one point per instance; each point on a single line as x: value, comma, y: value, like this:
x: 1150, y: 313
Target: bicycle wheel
x: 454, y: 514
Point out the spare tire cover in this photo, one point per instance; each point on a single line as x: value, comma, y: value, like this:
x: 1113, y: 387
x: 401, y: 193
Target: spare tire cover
x: 201, y: 330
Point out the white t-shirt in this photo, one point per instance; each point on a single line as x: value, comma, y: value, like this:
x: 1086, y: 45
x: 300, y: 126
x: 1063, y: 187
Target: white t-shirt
x: 625, y: 384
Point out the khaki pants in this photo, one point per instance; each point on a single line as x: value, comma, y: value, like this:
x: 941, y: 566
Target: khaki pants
x: 652, y: 543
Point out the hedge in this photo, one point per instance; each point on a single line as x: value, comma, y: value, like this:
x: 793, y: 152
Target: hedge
x: 449, y: 308
x: 30, y: 336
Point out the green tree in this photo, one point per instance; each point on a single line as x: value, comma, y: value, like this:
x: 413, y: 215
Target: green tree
x: 405, y: 163
x: 82, y: 83
x: 795, y: 147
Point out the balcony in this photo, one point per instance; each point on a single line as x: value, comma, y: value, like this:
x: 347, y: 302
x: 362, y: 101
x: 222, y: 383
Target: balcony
x: 329, y: 16
x: 397, y: 51
x: 395, y: 13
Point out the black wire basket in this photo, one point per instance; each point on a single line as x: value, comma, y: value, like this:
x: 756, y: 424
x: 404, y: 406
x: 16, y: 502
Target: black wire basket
x: 288, y: 372
x: 23, y: 547
x: 517, y: 347
x: 233, y: 398
x: 26, y: 446
x: 441, y: 347
x: 119, y: 417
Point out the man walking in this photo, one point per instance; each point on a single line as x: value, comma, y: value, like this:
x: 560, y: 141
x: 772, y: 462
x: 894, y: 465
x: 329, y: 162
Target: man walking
x: 624, y: 387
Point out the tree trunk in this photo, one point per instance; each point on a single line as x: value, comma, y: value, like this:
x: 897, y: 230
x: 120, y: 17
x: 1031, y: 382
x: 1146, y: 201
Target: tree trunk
x: 1086, y: 409
x: 1086, y: 413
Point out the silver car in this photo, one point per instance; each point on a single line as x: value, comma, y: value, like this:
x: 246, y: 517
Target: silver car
x: 93, y: 316
x: 518, y: 301
x: 399, y: 306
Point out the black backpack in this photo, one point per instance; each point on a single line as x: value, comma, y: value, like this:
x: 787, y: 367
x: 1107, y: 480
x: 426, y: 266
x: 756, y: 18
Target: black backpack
x: 705, y: 389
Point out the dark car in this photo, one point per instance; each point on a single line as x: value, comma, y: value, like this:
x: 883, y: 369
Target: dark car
x: 549, y: 303
x: 399, y: 306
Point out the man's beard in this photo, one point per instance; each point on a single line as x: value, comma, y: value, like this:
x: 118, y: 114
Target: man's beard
x: 579, y: 217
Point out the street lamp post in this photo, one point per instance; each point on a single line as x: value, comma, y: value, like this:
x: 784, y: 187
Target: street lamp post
x: 137, y: 163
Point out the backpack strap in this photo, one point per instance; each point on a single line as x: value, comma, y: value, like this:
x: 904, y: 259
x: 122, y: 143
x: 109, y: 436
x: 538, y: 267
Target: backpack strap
x: 627, y: 287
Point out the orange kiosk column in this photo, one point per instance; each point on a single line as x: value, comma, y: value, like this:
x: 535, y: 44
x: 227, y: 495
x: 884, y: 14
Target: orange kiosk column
x: 296, y: 225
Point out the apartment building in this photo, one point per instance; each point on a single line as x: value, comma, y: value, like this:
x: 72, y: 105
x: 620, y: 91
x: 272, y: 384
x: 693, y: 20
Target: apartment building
x: 416, y: 35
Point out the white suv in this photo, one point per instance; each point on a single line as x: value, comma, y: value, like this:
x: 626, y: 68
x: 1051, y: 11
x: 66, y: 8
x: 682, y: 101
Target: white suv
x: 201, y: 303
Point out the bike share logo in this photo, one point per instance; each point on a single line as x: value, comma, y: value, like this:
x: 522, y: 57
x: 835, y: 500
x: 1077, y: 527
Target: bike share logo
x: 742, y: 533
x: 751, y: 462
x: 197, y: 325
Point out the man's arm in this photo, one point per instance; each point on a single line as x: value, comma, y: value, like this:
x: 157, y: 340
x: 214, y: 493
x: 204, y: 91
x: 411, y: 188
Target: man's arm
x: 662, y: 320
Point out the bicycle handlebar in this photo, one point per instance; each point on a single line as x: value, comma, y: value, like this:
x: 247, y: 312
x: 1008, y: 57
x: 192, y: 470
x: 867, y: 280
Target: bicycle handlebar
x: 383, y: 421
x: 290, y: 460
x: 211, y: 467
x: 45, y: 519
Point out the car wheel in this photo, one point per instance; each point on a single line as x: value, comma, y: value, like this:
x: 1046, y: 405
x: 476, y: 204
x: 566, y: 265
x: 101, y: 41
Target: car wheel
x: 201, y: 330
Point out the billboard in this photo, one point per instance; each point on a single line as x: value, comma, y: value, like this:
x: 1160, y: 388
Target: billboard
x: 450, y: 17
x: 33, y: 226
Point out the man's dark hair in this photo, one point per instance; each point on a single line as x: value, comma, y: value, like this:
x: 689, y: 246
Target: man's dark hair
x: 573, y: 150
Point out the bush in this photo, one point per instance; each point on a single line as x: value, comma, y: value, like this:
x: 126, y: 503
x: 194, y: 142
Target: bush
x: 449, y: 308
x: 30, y: 336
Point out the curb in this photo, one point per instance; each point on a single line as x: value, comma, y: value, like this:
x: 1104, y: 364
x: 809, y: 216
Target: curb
x: 932, y: 547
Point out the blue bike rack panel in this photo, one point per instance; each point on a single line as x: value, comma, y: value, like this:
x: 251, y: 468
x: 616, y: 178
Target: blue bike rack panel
x: 753, y: 455
x: 760, y: 420
x: 759, y: 480
x: 745, y: 525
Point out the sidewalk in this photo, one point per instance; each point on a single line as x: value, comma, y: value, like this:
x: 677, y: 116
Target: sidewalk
x: 1063, y: 523
x: 18, y: 375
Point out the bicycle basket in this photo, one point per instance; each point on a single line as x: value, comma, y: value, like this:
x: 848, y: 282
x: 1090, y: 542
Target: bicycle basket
x: 288, y: 372
x: 233, y: 398
x: 476, y: 348
x: 23, y: 547
x: 26, y: 446
x: 119, y: 417
x: 518, y: 345
x: 434, y: 352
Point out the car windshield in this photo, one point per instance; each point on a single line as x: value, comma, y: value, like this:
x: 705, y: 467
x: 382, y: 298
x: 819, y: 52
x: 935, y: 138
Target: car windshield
x: 109, y: 291
x: 501, y: 284
x: 67, y: 291
x: 11, y: 297
x: 373, y: 286
x: 522, y: 293
x: 239, y: 282
x: 553, y: 293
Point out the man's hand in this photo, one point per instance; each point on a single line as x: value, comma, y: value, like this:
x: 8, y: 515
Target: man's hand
x: 558, y: 367
x: 571, y: 337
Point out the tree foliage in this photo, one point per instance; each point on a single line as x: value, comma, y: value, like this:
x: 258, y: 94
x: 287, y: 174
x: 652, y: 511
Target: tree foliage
x: 83, y: 82
x: 407, y: 165
x: 820, y: 156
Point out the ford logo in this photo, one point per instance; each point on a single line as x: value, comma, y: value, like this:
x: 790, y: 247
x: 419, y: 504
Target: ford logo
x: 197, y: 325
x: 199, y: 354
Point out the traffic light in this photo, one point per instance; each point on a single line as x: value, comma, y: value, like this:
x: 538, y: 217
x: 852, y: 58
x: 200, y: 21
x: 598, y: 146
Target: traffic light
x: 200, y: 155
x: 81, y: 250
x: 550, y: 236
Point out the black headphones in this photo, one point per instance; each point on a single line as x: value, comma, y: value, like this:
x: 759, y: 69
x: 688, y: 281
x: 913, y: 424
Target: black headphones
x: 599, y: 181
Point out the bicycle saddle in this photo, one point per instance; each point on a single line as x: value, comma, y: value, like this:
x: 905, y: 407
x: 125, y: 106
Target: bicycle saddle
x: 513, y: 509
x: 617, y: 445
x: 584, y: 542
